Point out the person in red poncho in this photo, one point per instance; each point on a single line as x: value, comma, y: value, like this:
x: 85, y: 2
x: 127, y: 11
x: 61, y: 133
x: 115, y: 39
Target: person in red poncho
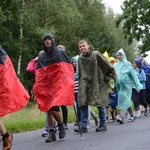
x: 13, y: 95
x: 54, y: 84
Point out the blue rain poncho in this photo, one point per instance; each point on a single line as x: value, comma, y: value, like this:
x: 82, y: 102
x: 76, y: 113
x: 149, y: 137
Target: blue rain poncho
x: 125, y: 77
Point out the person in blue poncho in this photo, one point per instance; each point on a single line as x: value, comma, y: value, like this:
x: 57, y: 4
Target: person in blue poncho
x: 125, y: 77
x: 139, y: 98
x: 146, y: 69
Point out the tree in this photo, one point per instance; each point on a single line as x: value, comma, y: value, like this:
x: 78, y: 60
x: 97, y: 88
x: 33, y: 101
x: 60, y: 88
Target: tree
x: 23, y: 22
x: 136, y: 22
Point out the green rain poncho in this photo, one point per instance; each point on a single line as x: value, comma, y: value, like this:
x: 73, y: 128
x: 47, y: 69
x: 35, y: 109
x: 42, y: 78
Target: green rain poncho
x: 125, y: 77
x: 94, y: 71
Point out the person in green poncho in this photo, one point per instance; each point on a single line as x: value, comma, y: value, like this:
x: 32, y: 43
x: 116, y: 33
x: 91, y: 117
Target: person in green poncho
x: 125, y: 77
x: 94, y: 73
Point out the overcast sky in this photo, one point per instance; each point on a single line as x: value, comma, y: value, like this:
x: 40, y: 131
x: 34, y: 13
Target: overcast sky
x: 114, y: 4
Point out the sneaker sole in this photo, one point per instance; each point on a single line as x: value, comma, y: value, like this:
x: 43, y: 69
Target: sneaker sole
x: 100, y: 130
x: 121, y: 122
x: 50, y: 141
x: 75, y: 130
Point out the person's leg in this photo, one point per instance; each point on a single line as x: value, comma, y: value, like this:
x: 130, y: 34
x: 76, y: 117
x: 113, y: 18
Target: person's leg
x: 130, y: 111
x: 102, y: 117
x: 89, y: 112
x: 2, y: 129
x: 113, y: 112
x: 94, y: 115
x: 135, y: 99
x: 136, y: 103
x: 61, y: 126
x: 77, y: 105
x: 107, y: 113
x: 84, y: 119
x: 121, y: 117
x: 142, y: 97
x: 132, y: 118
x: 46, y: 130
x: 6, y: 137
x: 65, y: 115
x: 148, y: 101
x: 54, y: 113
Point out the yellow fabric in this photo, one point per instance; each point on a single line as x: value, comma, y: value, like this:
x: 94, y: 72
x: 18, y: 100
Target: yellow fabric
x: 112, y: 58
x: 106, y: 55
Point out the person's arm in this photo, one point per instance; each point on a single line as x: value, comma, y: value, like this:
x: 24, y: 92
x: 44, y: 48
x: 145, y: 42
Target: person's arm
x: 31, y: 67
x: 135, y: 79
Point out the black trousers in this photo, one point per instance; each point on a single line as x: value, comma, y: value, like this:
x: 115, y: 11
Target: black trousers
x: 139, y: 98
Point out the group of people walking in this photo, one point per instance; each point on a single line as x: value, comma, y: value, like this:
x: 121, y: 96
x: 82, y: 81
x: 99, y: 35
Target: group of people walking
x: 83, y: 81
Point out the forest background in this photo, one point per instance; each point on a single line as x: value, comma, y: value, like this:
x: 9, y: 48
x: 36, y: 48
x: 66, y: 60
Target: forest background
x: 23, y: 23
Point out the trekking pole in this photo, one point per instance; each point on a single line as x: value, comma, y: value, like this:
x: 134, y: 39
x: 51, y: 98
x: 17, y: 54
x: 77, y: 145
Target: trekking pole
x: 78, y: 122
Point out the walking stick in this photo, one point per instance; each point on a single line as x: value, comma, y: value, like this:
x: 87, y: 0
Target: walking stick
x: 78, y: 122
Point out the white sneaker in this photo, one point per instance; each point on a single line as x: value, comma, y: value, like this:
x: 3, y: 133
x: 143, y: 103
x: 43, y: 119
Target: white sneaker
x: 120, y: 120
x: 131, y: 119
x: 45, y: 133
x: 137, y: 114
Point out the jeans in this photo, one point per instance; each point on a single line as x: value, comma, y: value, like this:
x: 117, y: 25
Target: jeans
x: 46, y: 126
x: 84, y: 116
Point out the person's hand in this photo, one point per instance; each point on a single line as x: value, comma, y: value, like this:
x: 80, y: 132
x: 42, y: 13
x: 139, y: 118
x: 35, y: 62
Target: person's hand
x: 138, y: 91
x: 36, y: 58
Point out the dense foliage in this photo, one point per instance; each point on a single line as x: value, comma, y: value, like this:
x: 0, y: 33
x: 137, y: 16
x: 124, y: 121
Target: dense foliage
x: 23, y: 22
x: 136, y: 22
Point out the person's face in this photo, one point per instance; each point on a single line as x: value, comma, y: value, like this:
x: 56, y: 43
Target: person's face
x: 134, y: 65
x: 142, y: 62
x: 119, y: 56
x: 112, y: 62
x: 74, y: 63
x: 83, y: 48
x: 47, y: 42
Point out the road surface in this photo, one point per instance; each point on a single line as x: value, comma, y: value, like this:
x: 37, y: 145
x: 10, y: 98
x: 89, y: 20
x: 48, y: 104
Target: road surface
x: 129, y: 136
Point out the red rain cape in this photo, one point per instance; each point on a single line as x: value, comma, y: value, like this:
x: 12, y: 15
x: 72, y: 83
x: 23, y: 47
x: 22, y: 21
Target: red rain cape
x: 13, y: 95
x: 54, y: 85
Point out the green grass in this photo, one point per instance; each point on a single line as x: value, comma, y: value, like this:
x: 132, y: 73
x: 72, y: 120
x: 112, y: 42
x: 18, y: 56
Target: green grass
x: 31, y: 118
x: 28, y: 118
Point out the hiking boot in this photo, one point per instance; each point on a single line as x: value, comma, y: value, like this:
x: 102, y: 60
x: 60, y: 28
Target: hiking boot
x: 120, y: 120
x: 96, y: 120
x: 52, y: 137
x: 7, y: 142
x: 82, y: 129
x: 45, y: 133
x: 101, y: 128
x: 62, y: 131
